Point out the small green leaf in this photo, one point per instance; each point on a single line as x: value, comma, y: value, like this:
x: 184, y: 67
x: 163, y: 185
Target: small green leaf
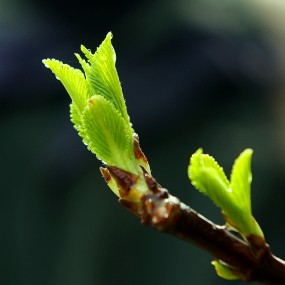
x: 233, y: 198
x: 73, y: 80
x: 102, y: 121
x: 209, y: 178
x: 102, y: 75
x: 241, y: 178
x: 98, y: 108
x: 85, y: 65
x: 224, y: 270
x: 76, y: 85
x: 108, y: 135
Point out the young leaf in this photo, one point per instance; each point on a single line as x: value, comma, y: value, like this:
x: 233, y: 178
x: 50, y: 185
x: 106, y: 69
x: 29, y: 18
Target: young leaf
x: 109, y: 137
x: 102, y: 120
x: 233, y: 198
x: 224, y: 270
x: 240, y: 184
x: 73, y: 80
x: 241, y: 179
x: 102, y: 75
x: 75, y: 84
x: 209, y: 178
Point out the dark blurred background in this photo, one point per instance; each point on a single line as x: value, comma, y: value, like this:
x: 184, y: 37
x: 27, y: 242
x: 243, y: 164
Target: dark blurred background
x: 195, y: 73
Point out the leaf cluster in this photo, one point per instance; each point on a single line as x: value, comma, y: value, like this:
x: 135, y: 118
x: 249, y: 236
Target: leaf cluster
x: 233, y: 197
x: 98, y: 110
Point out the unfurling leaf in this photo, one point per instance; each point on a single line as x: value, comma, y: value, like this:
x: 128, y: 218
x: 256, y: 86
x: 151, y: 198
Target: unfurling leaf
x: 102, y: 77
x: 73, y: 80
x: 109, y: 137
x: 232, y: 197
x: 241, y: 178
x: 209, y: 178
x: 98, y: 110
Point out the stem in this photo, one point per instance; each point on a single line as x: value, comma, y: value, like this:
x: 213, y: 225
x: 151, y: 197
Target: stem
x: 250, y: 261
x: 188, y: 225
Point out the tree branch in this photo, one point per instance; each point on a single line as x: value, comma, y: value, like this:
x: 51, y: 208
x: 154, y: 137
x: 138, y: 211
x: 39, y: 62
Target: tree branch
x: 250, y: 261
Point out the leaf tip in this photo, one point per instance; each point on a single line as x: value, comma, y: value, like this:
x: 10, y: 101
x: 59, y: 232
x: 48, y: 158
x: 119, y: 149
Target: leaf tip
x: 247, y: 152
x: 109, y: 35
x: 47, y: 62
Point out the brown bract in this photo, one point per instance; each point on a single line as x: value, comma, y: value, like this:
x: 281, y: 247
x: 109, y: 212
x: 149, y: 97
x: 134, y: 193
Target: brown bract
x: 137, y: 150
x: 124, y: 179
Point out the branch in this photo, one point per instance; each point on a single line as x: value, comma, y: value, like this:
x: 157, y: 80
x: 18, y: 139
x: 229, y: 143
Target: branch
x: 100, y: 116
x: 164, y: 212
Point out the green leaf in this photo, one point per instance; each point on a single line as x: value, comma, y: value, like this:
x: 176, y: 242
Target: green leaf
x: 224, y: 270
x: 76, y: 85
x: 102, y: 75
x: 102, y: 121
x: 73, y: 80
x: 108, y: 135
x: 209, y: 178
x: 233, y: 198
x: 241, y: 180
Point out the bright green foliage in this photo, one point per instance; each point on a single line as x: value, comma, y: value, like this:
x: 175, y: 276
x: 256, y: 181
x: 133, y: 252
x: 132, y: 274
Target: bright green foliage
x: 101, y: 75
x: 233, y: 197
x: 241, y: 179
x: 109, y: 137
x: 205, y: 174
x: 223, y: 270
x: 240, y: 184
x: 98, y: 108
